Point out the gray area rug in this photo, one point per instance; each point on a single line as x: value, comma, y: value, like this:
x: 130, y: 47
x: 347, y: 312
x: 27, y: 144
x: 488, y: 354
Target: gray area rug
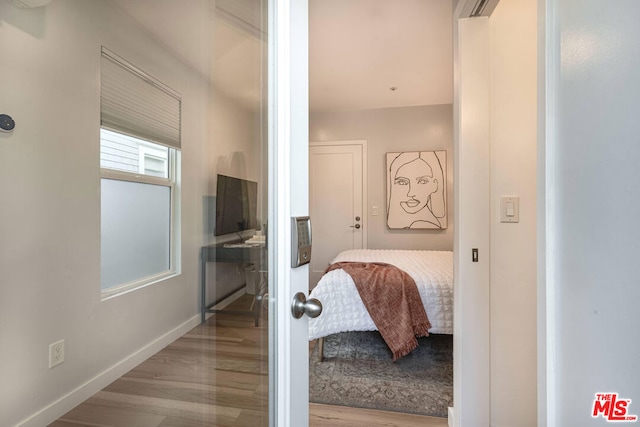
x: 358, y: 371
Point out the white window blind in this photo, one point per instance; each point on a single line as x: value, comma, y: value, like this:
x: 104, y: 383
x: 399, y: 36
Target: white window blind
x: 136, y: 104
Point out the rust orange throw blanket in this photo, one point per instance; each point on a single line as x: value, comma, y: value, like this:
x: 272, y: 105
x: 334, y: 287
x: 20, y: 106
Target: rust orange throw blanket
x: 392, y: 299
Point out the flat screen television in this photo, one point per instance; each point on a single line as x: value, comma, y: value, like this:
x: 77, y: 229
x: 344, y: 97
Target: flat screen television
x: 236, y: 205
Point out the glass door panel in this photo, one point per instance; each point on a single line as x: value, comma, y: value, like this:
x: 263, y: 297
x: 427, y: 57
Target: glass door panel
x: 206, y: 338
x: 237, y: 207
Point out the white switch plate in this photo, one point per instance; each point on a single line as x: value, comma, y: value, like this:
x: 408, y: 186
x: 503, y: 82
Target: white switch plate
x: 509, y: 209
x: 374, y: 211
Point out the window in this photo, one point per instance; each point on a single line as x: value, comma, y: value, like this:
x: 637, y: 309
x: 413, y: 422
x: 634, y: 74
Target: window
x: 139, y: 156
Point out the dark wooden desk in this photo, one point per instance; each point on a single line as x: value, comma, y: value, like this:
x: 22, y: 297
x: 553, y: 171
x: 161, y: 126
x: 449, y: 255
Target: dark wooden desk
x: 231, y: 252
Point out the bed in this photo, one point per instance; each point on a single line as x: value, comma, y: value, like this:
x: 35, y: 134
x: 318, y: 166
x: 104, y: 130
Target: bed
x: 344, y: 311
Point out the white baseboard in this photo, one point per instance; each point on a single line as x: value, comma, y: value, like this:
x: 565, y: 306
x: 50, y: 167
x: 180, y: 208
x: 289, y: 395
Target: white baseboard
x: 64, y: 404
x: 452, y: 417
x: 231, y: 298
x: 228, y: 300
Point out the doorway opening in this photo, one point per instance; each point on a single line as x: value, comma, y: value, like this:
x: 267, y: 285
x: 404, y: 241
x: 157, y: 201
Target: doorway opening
x: 374, y: 79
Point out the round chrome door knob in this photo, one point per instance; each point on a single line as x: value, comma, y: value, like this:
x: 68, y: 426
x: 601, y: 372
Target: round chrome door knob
x: 300, y: 306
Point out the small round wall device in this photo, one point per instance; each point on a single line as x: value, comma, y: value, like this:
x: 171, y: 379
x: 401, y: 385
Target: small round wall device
x: 6, y: 123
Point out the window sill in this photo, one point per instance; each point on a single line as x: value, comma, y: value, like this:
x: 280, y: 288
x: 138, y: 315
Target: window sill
x: 125, y: 288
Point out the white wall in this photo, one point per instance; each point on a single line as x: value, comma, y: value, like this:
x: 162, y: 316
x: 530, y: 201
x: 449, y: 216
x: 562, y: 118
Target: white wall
x: 50, y: 206
x: 421, y: 128
x: 233, y: 128
x: 592, y: 206
x: 513, y: 76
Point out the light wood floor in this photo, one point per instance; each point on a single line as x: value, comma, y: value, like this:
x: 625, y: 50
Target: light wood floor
x: 215, y: 375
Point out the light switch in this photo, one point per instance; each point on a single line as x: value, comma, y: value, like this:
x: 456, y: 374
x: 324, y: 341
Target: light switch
x: 374, y: 211
x: 509, y: 209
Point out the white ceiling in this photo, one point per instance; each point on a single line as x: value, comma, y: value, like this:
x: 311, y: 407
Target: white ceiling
x: 358, y: 49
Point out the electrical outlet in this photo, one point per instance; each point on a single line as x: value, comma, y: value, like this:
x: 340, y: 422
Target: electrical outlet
x: 56, y: 353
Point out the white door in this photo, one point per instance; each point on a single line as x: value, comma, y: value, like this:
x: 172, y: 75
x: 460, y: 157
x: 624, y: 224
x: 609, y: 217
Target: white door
x: 336, y: 201
x: 288, y: 127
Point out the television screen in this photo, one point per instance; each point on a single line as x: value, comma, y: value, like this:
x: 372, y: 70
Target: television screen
x: 236, y: 205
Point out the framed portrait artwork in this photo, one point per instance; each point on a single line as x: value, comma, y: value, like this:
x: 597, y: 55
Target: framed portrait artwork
x: 416, y: 190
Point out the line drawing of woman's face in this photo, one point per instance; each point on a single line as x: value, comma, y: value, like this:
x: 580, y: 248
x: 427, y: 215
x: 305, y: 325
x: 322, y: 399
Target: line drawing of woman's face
x: 415, y: 179
x: 416, y: 190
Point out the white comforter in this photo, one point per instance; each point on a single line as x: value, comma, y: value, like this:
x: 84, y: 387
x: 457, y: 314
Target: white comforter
x: 344, y: 311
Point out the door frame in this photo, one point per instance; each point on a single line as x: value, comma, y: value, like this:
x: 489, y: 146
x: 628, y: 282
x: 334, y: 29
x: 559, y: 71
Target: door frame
x: 471, y: 332
x: 365, y: 183
x: 288, y: 152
